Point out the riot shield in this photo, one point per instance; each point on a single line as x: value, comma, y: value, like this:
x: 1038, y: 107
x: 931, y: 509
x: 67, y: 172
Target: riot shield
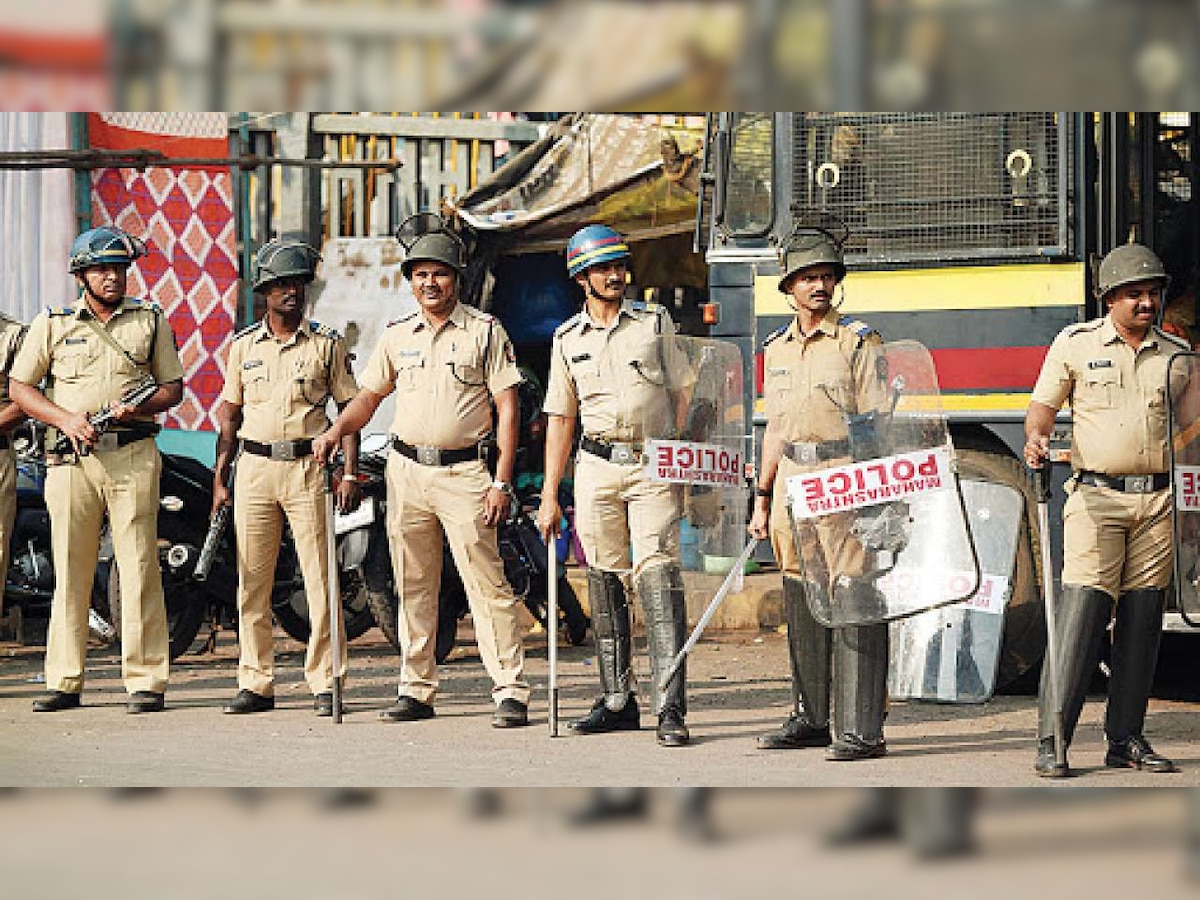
x: 686, y: 395
x: 1183, y: 448
x: 950, y: 655
x: 881, y: 497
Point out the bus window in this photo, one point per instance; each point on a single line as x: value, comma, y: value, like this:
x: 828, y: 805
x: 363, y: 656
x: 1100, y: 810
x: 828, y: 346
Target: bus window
x: 748, y: 197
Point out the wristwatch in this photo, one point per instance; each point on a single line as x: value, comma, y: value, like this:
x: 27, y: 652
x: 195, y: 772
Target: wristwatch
x: 503, y: 486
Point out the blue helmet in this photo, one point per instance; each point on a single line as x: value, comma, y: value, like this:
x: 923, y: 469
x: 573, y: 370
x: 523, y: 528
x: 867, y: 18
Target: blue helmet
x: 593, y: 245
x: 106, y: 245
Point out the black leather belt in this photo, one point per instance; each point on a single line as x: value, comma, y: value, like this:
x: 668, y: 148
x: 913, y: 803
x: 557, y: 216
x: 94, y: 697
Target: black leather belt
x: 808, y: 452
x: 434, y: 456
x: 625, y: 454
x: 1129, y: 484
x: 281, y: 450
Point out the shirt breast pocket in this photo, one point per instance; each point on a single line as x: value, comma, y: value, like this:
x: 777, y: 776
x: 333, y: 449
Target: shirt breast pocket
x: 311, y: 384
x: 256, y: 386
x: 408, y: 372
x: 72, y: 361
x: 467, y: 368
x: 1100, y: 388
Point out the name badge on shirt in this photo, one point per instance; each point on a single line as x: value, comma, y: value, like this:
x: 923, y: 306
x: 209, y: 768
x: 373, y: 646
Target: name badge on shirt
x: 582, y: 357
x: 409, y: 354
x: 777, y: 371
x: 75, y: 340
x: 252, y: 363
x: 1100, y: 363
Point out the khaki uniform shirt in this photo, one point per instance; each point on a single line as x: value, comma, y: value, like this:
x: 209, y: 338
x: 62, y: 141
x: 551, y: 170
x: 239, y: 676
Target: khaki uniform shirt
x: 85, y: 372
x: 12, y: 333
x: 618, y: 379
x: 1117, y: 394
x: 812, y: 382
x: 444, y: 380
x: 283, y: 387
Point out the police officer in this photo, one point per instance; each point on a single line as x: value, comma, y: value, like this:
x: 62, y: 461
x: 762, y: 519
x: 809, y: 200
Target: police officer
x: 90, y: 354
x: 12, y: 333
x: 1117, y: 520
x: 818, y: 367
x: 601, y: 373
x: 281, y: 374
x: 448, y: 363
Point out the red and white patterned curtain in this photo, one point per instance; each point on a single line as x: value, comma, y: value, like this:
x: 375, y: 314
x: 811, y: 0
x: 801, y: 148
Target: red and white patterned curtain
x: 186, y: 216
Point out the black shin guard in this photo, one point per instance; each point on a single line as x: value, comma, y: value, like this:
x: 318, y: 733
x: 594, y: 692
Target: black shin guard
x: 808, y: 651
x: 663, y: 600
x: 860, y: 666
x: 1134, y: 656
x: 614, y: 648
x: 1083, y: 618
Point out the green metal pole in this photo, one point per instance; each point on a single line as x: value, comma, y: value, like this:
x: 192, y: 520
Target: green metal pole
x: 244, y: 224
x: 83, y: 177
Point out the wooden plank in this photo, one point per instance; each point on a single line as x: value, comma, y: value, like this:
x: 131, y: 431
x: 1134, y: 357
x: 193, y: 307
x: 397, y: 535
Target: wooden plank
x: 425, y: 127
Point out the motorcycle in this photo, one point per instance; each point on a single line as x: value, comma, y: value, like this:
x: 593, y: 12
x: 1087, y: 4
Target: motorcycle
x: 29, y: 581
x: 185, y: 501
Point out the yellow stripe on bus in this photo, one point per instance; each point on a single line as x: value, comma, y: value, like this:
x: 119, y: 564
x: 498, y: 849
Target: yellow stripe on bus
x: 952, y: 403
x: 933, y: 290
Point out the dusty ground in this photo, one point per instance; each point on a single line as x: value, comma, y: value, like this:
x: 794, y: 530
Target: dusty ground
x: 738, y: 689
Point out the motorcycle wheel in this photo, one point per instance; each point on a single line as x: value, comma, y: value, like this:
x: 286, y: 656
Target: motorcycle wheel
x: 185, y: 609
x: 289, y: 603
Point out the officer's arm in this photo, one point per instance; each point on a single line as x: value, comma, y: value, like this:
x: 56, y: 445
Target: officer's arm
x: 560, y: 433
x: 1039, y: 422
x: 167, y: 396
x: 38, y: 406
x: 11, y: 416
x: 350, y: 420
x: 229, y: 420
x: 350, y: 443
x: 507, y: 407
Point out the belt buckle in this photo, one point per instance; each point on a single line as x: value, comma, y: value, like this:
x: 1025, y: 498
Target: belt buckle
x: 1139, y: 484
x: 283, y: 450
x: 107, y: 441
x: 429, y: 456
x: 805, y: 453
x: 623, y: 454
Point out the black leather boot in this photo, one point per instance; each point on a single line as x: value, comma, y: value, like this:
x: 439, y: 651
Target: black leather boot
x: 1136, y: 636
x: 602, y: 719
x: 860, y: 665
x: 662, y: 594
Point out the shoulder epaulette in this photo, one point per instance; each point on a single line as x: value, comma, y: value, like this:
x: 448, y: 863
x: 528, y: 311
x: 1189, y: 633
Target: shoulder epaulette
x: 59, y: 310
x: 478, y: 313
x: 1080, y: 327
x: 567, y: 325
x: 403, y: 318
x: 1173, y: 338
x: 253, y: 326
x: 646, y: 306
x: 774, y: 334
x: 324, y: 330
x: 859, y: 327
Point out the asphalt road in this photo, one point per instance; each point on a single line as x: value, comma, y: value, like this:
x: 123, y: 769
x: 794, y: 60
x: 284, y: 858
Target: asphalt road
x: 738, y: 689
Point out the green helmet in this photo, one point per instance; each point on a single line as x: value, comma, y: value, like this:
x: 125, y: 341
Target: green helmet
x: 283, y: 258
x: 807, y: 249
x: 1129, y: 264
x: 426, y: 237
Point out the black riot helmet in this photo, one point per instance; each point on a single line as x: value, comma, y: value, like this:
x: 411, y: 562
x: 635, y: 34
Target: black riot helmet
x: 426, y: 236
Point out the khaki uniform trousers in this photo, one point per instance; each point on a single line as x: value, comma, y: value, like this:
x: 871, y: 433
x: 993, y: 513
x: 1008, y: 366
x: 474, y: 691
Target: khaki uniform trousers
x: 1116, y: 542
x: 8, y: 509
x: 422, y: 501
x: 624, y: 520
x: 265, y: 491
x: 827, y: 546
x: 125, y: 482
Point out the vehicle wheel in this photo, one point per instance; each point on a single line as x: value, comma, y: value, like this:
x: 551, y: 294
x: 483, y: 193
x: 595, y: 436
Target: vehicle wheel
x: 185, y: 608
x: 1024, y: 640
x: 381, y: 589
x: 289, y: 603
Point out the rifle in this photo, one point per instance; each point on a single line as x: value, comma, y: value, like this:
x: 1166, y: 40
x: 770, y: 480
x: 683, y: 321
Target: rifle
x: 208, y: 550
x: 102, y: 420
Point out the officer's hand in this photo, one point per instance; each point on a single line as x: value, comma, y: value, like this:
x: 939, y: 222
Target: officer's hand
x: 122, y: 411
x: 324, y: 447
x: 1036, y: 450
x: 348, y: 496
x: 221, y: 496
x: 496, y: 506
x: 80, y: 431
x: 758, y: 523
x: 549, y: 518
